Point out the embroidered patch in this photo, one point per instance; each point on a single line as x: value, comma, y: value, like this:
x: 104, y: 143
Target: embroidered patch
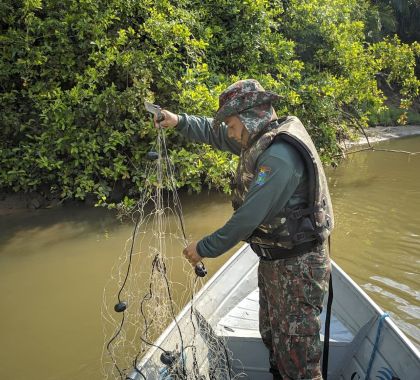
x: 262, y: 176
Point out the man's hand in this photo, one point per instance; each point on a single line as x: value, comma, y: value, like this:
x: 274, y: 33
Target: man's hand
x: 190, y: 253
x: 170, y: 120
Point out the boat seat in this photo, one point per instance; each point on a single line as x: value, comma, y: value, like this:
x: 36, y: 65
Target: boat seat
x: 240, y: 329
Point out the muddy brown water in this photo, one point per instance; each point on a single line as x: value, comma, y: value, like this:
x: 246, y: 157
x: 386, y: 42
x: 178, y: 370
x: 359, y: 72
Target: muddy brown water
x: 54, y: 263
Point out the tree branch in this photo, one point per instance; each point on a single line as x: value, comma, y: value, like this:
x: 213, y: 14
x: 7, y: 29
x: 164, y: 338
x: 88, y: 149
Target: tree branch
x: 370, y: 147
x: 373, y: 149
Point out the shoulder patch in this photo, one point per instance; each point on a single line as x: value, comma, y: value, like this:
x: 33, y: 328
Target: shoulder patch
x: 262, y: 175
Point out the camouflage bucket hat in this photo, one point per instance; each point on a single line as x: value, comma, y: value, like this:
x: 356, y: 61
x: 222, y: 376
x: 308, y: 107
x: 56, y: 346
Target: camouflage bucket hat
x: 241, y: 96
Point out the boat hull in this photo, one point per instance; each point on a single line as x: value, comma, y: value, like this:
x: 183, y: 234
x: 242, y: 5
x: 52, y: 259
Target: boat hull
x: 363, y: 339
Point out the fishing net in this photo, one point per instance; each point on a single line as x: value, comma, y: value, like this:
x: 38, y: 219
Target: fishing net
x: 145, y: 293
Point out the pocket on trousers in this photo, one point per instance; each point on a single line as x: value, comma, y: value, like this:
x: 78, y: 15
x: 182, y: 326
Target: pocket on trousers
x: 303, y: 325
x: 316, y: 285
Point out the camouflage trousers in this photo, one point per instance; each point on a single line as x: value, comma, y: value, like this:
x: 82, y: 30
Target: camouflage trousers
x: 291, y: 296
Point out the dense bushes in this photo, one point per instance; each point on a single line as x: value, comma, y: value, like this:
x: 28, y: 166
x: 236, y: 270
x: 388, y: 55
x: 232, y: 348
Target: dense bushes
x: 74, y: 76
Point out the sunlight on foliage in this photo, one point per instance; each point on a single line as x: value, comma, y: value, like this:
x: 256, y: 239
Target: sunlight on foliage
x: 74, y: 77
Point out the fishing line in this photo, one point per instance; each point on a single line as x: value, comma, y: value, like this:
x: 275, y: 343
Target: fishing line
x: 129, y: 259
x: 177, y: 202
x: 157, y: 262
x: 162, y: 138
x: 148, y: 296
x: 193, y: 347
x: 149, y: 306
x: 138, y: 371
x: 109, y: 345
x: 179, y: 214
x: 121, y: 306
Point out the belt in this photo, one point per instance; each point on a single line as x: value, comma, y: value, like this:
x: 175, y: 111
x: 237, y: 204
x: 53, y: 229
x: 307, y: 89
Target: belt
x: 278, y: 253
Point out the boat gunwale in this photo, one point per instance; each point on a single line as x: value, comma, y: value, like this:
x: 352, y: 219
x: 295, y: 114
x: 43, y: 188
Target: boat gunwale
x: 388, y: 322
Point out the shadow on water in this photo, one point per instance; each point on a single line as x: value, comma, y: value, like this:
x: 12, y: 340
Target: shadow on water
x: 76, y: 220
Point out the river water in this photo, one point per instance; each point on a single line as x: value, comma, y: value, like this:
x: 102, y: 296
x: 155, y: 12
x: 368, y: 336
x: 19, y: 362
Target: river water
x: 54, y: 263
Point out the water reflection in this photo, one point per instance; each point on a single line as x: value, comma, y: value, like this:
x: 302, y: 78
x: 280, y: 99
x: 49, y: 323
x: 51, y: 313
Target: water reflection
x: 377, y: 239
x: 54, y: 265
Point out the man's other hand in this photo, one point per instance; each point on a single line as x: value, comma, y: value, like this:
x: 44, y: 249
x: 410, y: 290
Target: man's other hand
x: 190, y: 253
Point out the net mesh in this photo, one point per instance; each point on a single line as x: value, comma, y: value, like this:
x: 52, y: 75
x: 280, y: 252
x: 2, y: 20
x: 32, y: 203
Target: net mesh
x: 145, y: 293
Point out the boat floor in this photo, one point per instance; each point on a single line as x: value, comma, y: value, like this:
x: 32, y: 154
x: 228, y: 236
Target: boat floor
x: 240, y: 328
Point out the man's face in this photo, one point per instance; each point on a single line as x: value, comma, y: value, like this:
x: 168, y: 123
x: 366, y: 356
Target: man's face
x: 236, y: 130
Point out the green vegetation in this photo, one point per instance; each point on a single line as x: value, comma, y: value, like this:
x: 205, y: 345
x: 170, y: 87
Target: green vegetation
x: 390, y: 115
x: 73, y: 77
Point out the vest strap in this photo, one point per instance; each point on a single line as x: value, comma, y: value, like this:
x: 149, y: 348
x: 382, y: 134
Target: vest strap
x: 277, y: 253
x: 304, y: 236
x: 300, y: 213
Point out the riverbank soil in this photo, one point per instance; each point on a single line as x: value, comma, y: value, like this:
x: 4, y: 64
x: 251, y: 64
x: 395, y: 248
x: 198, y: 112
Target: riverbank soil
x: 377, y: 134
x: 13, y: 202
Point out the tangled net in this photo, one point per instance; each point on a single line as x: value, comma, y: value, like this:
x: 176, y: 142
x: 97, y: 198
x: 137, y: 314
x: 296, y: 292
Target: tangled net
x: 150, y: 293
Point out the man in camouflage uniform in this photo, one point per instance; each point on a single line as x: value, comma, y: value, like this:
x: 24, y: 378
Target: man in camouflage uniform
x: 283, y: 209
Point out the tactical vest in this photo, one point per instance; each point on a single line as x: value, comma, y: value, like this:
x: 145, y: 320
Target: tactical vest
x: 312, y: 221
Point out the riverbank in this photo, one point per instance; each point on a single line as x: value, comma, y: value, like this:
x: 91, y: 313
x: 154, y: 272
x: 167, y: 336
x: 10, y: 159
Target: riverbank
x: 378, y: 134
x: 13, y: 202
